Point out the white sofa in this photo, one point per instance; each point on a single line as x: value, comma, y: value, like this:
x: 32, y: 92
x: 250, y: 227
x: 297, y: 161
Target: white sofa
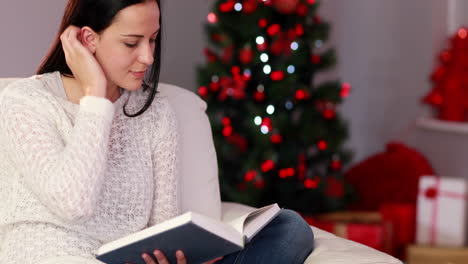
x: 200, y: 189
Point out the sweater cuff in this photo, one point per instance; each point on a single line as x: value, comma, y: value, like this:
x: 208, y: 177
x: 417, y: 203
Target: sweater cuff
x: 98, y: 105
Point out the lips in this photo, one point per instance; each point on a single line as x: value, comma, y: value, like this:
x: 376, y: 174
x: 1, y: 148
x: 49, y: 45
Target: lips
x: 138, y: 74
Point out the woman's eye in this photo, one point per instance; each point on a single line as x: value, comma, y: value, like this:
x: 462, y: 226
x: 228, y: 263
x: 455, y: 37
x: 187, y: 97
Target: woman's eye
x: 152, y: 40
x: 130, y: 45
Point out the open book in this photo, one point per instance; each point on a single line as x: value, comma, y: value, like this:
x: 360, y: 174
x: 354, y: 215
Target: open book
x: 201, y: 238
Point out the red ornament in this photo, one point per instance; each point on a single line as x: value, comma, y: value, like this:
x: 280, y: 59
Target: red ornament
x: 203, y: 91
x: 212, y: 18
x: 276, y: 138
x: 311, y: 2
x: 249, y: 6
x: 226, y: 121
x: 299, y: 29
x: 227, y: 6
x: 286, y: 6
x: 227, y: 131
x: 433, y: 98
x: 302, y: 9
x: 263, y: 23
x: 260, y: 184
x: 300, y: 94
x: 267, y: 166
x: 336, y: 165
x: 250, y: 175
x: 235, y: 70
x: 267, y: 122
x: 239, y: 141
x: 322, y: 145
x: 317, y: 20
x: 210, y: 55
x: 311, y: 184
x: 315, y: 59
x: 282, y: 44
x: 227, y: 54
x: 246, y: 55
x: 273, y: 29
x: 214, y: 86
x: 259, y: 96
x: 285, y: 173
x: 277, y: 75
x: 345, y: 90
x: 445, y: 56
x: 232, y: 87
x: 329, y: 114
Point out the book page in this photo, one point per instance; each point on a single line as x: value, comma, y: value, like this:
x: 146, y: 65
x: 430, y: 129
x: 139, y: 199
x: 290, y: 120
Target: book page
x: 250, y: 224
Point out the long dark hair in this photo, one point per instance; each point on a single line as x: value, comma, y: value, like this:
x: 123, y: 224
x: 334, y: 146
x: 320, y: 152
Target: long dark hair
x: 98, y: 15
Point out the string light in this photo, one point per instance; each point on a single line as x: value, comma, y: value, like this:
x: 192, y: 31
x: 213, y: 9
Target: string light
x: 212, y: 18
x: 318, y: 43
x: 238, y: 7
x: 258, y: 120
x: 260, y: 40
x: 267, y: 69
x: 291, y: 69
x: 294, y: 45
x: 289, y: 105
x: 264, y: 129
x: 264, y: 57
x: 214, y: 78
x: 270, y: 109
x: 261, y: 88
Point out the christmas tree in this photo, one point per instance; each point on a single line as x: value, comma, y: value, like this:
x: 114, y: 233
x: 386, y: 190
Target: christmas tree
x: 278, y: 135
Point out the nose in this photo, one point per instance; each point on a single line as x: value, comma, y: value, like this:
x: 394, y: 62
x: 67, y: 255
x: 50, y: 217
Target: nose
x: 146, y: 54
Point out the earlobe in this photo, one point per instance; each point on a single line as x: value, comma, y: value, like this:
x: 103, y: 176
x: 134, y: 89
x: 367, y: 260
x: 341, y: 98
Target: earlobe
x: 88, y: 39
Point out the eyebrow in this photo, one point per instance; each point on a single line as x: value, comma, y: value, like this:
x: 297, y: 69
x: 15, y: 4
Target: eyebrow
x: 138, y: 36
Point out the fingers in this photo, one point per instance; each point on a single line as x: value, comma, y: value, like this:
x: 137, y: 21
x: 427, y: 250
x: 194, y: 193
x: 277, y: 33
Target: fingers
x: 148, y: 259
x: 163, y: 260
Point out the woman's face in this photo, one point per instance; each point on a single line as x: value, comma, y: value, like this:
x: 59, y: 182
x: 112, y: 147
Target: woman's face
x: 125, y: 49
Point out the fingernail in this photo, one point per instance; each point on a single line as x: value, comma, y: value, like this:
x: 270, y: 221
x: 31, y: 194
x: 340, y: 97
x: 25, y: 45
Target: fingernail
x: 179, y: 254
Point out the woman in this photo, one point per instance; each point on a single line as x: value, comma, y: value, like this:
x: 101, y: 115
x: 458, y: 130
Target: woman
x: 90, y: 149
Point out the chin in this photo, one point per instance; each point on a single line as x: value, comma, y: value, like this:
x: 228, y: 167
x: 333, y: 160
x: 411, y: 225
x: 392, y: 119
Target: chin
x: 132, y: 85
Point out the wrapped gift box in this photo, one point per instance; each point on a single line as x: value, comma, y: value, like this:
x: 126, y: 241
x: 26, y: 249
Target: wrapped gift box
x: 367, y: 228
x: 436, y: 255
x: 441, y: 211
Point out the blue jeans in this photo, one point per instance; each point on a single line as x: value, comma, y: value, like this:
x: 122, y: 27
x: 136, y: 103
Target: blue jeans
x: 286, y: 239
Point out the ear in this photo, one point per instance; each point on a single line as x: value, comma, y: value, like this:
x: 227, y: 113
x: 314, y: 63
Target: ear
x: 89, y: 38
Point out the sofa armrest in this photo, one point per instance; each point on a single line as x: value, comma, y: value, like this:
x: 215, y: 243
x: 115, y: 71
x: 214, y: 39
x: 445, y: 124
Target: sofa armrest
x: 329, y: 249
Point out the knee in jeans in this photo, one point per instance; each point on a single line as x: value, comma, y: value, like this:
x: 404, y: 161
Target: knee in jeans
x: 301, y: 227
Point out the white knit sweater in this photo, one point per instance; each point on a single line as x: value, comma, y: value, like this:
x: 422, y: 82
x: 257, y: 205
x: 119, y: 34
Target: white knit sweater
x: 74, y: 176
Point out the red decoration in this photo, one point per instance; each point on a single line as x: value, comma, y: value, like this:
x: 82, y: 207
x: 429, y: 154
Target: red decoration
x: 315, y: 59
x: 329, y: 114
x: 246, y: 55
x: 300, y: 94
x: 233, y: 87
x: 345, y: 90
x: 311, y: 184
x: 302, y: 9
x: 249, y: 6
x: 259, y: 96
x: 277, y: 75
x: 336, y: 165
x: 431, y: 193
x: 239, y: 141
x: 267, y: 122
x: 311, y: 2
x: 449, y: 95
x: 376, y: 178
x: 317, y: 20
x: 335, y: 187
x: 203, y: 91
x: 212, y: 18
x: 262, y: 22
x: 226, y: 121
x: 227, y: 131
x: 299, y: 29
x: 286, y: 6
x: 250, y: 175
x: 210, y: 55
x: 285, y: 173
x: 267, y: 166
x: 282, y: 44
x: 322, y: 145
x: 273, y: 29
x: 227, y: 54
x: 227, y: 6
x: 276, y: 138
x: 259, y: 184
x: 214, y: 86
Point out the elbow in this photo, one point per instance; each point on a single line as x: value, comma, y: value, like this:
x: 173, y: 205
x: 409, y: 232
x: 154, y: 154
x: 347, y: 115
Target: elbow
x: 75, y: 210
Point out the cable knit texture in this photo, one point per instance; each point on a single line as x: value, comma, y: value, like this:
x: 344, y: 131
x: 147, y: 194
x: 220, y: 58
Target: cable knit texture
x: 75, y: 176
